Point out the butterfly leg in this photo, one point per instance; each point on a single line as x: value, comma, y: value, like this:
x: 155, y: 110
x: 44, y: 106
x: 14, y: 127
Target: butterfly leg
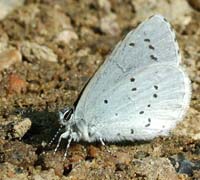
x: 73, y: 136
x: 68, y: 145
x: 62, y: 136
x: 102, y: 143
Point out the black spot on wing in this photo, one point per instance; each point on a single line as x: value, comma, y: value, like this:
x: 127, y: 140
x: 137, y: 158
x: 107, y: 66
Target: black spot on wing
x: 165, y: 20
x: 155, y: 95
x: 132, y: 44
x: 141, y: 112
x: 147, y: 125
x: 132, y: 79
x: 147, y: 40
x: 133, y: 89
x: 153, y: 57
x: 155, y: 87
x: 132, y: 131
x: 149, y: 122
x: 151, y: 47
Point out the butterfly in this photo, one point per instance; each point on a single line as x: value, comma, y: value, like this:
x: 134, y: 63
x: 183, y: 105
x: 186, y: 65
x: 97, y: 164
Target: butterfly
x: 138, y: 93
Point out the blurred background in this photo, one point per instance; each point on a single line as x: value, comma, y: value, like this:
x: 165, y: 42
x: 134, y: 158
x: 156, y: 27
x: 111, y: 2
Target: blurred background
x: 48, y: 51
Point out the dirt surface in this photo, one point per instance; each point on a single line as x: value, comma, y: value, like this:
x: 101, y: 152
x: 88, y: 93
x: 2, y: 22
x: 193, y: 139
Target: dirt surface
x: 48, y: 51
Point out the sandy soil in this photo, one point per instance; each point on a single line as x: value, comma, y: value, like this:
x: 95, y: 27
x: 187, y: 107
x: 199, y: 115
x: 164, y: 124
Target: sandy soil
x: 48, y: 51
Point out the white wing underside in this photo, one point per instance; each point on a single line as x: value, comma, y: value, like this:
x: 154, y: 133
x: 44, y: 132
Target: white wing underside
x: 140, y: 91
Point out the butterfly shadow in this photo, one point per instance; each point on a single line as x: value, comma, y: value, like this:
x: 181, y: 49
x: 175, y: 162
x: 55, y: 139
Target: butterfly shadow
x: 43, y: 125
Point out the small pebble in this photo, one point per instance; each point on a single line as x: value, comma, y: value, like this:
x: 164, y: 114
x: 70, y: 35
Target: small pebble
x: 155, y: 168
x: 122, y: 158
x: 186, y: 168
x: 16, y: 84
x: 59, y: 170
x: 34, y: 52
x: 76, y: 158
x: 105, y: 5
x: 92, y: 151
x: 45, y: 174
x: 182, y: 165
x: 9, y: 57
x: 6, y: 6
x: 141, y: 155
x: 109, y: 25
x: 21, y: 128
x: 66, y: 36
x: 197, y: 136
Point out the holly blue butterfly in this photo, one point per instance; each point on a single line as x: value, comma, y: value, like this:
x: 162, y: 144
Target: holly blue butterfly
x: 139, y: 92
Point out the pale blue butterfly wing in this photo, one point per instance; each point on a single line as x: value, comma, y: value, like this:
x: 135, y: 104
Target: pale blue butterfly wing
x: 152, y: 42
x: 139, y: 92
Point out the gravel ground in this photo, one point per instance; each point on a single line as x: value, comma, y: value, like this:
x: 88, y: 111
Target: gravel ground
x: 48, y: 51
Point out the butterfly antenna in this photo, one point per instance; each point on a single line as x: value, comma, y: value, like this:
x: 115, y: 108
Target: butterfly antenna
x: 102, y: 143
x: 54, y: 137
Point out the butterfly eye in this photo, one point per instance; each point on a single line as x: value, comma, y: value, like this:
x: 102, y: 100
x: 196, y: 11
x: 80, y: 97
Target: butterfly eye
x: 65, y: 114
x: 68, y: 114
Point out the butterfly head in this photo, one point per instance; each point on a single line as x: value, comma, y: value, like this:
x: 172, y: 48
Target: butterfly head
x: 65, y: 115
